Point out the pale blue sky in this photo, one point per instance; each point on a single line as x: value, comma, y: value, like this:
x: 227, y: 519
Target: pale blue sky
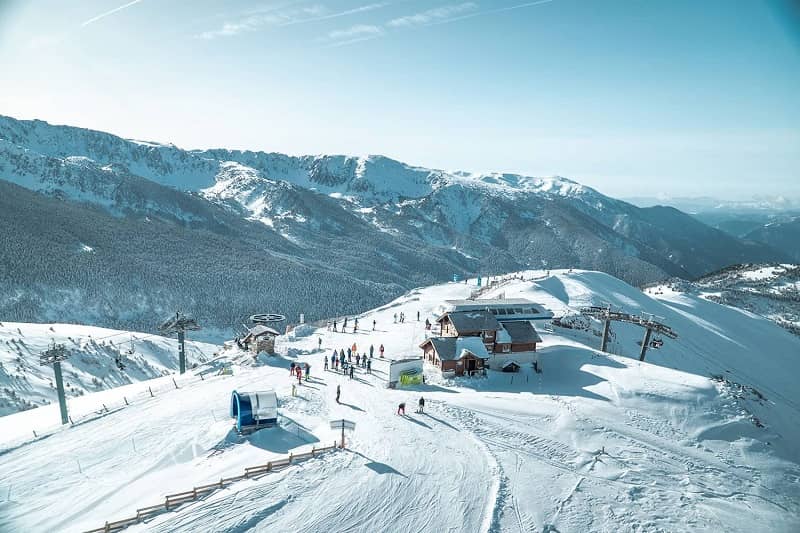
x: 630, y: 97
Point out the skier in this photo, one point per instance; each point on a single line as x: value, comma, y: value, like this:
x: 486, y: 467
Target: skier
x: 338, y: 393
x: 326, y: 362
x: 308, y: 371
x: 373, y: 325
x: 371, y: 350
x: 369, y: 366
x: 334, y: 326
x: 299, y: 375
x: 421, y: 405
x: 355, y: 325
x: 401, y: 409
x: 355, y: 348
x: 319, y: 344
x: 358, y: 359
x: 381, y: 350
x: 352, y: 370
x: 350, y: 356
x: 291, y: 368
x: 342, y: 362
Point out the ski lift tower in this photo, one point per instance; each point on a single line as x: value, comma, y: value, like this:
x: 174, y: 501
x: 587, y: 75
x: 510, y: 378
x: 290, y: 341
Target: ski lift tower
x: 647, y: 321
x: 180, y: 324
x: 53, y: 356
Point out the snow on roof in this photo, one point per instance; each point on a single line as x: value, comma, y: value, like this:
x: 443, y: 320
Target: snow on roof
x: 260, y: 329
x: 453, y: 348
x: 473, y: 345
x: 510, y: 363
x: 503, y: 336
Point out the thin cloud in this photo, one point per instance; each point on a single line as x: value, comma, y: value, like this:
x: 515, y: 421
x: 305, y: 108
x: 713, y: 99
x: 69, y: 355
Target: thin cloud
x: 490, y: 11
x: 433, y: 15
x: 107, y: 13
x: 288, y: 17
x: 359, y: 31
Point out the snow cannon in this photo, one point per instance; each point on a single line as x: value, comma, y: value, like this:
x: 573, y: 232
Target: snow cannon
x: 254, y: 410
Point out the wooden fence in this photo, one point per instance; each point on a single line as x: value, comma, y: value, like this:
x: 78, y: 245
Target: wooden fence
x: 173, y: 501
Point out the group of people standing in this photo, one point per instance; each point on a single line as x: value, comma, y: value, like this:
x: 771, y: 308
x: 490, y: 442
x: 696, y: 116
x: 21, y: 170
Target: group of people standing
x: 334, y: 326
x: 344, y: 360
x: 296, y: 369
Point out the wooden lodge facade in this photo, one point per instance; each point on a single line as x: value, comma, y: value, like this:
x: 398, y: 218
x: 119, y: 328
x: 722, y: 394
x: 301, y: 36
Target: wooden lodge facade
x: 469, y: 339
x: 260, y: 338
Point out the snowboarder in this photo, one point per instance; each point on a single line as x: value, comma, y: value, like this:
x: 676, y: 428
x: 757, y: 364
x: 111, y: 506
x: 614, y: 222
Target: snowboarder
x: 381, y: 350
x: 421, y: 405
x: 401, y: 409
x: 352, y: 370
x: 338, y: 393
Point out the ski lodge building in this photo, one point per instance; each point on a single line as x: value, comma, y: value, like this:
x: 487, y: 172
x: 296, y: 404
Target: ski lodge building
x: 480, y: 334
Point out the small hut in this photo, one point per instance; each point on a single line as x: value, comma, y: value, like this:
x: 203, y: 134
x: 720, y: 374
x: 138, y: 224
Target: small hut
x: 254, y: 410
x: 511, y: 366
x: 260, y: 338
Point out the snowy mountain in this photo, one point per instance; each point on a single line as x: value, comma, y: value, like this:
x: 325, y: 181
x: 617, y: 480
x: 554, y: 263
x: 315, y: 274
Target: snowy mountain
x: 772, y: 291
x: 366, y: 228
x: 705, y: 428
x: 99, y: 359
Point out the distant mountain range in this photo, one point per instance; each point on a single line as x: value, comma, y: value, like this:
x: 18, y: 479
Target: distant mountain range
x: 118, y: 232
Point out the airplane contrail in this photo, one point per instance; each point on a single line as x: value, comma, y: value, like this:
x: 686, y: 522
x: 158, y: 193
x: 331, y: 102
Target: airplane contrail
x: 107, y: 13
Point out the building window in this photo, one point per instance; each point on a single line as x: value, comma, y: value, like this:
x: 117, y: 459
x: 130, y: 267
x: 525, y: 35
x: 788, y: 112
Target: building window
x: 506, y: 348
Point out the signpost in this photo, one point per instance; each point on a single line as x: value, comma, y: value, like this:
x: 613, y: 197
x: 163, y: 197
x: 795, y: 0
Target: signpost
x: 343, y: 424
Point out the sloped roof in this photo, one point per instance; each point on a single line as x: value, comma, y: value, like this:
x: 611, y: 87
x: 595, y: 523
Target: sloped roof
x: 508, y: 364
x: 465, y: 321
x: 260, y: 329
x: 503, y: 336
x: 454, y: 348
x: 522, y: 332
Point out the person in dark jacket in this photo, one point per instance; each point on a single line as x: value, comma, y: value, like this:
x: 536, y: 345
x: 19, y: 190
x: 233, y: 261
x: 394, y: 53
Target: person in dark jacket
x: 421, y: 405
x: 352, y: 369
x: 401, y: 409
x: 291, y: 368
x: 338, y: 393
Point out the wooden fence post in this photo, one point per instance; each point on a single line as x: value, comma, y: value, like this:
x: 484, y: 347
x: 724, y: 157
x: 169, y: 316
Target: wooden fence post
x: 174, y: 383
x: 151, y: 391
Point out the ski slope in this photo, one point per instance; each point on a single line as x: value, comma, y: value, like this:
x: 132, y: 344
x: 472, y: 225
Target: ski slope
x: 91, y: 366
x: 596, y: 442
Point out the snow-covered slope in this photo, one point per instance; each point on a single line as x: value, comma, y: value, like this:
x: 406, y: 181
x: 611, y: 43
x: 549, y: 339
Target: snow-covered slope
x: 686, y: 441
x: 769, y: 290
x: 94, y: 354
